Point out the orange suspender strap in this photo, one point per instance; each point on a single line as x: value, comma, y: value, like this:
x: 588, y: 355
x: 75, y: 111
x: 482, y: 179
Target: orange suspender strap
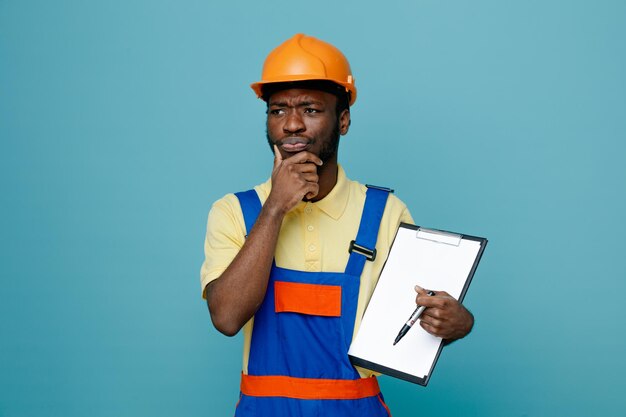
x: 309, y: 388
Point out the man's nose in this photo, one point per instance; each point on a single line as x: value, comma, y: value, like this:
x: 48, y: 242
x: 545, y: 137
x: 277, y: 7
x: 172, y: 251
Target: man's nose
x: 294, y: 123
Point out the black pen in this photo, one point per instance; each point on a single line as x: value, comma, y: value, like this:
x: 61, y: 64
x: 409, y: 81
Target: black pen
x: 411, y: 321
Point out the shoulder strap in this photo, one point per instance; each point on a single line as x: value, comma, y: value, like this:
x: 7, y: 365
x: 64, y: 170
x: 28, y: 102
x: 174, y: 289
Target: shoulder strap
x: 364, y: 246
x: 250, y: 207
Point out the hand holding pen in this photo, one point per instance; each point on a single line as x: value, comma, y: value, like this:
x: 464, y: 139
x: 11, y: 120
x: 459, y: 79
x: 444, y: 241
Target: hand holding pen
x: 443, y: 316
x: 412, y: 320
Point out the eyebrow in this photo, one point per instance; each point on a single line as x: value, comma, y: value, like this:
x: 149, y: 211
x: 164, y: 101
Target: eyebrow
x: 304, y: 103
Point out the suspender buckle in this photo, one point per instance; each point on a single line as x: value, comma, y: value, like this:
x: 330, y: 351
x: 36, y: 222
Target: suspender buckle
x: 370, y: 254
x: 376, y: 187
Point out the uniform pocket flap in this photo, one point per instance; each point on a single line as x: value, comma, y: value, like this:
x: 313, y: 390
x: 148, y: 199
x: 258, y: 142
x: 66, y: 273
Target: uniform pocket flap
x: 312, y: 299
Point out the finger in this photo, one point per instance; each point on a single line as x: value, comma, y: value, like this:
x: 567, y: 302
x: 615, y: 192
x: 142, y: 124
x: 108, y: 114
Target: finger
x: 311, y: 177
x: 307, y: 167
x: 421, y: 293
x: 433, y: 322
x: 442, y: 294
x: 430, y: 300
x: 278, y: 158
x: 420, y: 290
x: 438, y: 329
x: 304, y: 157
x: 431, y: 314
x: 430, y: 329
x: 314, y: 189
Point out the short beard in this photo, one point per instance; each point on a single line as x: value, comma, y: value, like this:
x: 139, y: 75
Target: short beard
x: 328, y: 151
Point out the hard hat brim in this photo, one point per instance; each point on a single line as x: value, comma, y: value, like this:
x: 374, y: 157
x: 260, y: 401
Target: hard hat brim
x: 258, y: 86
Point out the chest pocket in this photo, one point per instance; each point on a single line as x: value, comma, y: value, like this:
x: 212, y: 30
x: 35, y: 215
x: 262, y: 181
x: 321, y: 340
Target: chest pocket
x: 311, y: 299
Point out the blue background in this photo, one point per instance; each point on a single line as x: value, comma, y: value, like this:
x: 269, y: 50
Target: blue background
x: 122, y: 121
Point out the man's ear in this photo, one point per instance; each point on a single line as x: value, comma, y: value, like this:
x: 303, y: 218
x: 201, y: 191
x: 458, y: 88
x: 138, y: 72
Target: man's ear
x: 344, y: 121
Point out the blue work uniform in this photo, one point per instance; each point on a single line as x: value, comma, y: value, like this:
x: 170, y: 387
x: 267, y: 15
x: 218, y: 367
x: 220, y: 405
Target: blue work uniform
x: 298, y: 363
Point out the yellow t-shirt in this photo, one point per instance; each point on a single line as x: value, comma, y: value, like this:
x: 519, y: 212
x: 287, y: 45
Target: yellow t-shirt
x: 313, y: 237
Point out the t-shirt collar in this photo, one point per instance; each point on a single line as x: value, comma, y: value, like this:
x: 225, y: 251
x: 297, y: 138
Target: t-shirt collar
x: 335, y: 202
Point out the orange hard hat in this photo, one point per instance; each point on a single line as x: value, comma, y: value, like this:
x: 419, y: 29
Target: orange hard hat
x: 304, y: 58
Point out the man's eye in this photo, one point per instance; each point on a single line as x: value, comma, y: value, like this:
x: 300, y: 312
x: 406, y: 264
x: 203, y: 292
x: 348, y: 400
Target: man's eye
x: 310, y: 110
x: 276, y: 112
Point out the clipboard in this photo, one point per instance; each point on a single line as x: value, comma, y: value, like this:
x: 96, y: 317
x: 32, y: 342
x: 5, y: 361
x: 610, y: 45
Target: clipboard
x: 434, y: 259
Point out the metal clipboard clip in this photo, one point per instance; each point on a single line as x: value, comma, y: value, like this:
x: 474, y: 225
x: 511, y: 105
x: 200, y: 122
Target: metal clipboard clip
x: 438, y: 236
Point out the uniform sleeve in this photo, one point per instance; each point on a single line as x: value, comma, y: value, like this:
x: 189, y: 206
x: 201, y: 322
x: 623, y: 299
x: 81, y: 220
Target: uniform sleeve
x: 397, y: 213
x: 406, y: 217
x: 225, y: 235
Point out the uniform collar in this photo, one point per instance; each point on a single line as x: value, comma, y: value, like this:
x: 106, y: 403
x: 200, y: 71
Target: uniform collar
x: 335, y: 202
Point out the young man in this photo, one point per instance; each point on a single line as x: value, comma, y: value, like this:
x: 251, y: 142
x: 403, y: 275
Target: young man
x: 292, y: 261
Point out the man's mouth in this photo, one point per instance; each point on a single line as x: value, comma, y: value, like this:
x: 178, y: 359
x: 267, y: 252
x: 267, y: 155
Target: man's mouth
x: 293, y: 145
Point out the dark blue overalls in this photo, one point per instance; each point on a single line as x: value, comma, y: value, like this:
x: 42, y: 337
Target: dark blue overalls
x: 298, y: 363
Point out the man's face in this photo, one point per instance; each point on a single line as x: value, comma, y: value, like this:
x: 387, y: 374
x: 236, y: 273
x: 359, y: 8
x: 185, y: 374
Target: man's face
x: 305, y: 120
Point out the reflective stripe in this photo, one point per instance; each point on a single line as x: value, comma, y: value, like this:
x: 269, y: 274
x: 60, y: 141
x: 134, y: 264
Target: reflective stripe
x: 313, y: 299
x: 309, y: 388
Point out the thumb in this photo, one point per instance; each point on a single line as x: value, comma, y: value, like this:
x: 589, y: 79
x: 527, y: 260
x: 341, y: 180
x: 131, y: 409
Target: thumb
x: 422, y: 291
